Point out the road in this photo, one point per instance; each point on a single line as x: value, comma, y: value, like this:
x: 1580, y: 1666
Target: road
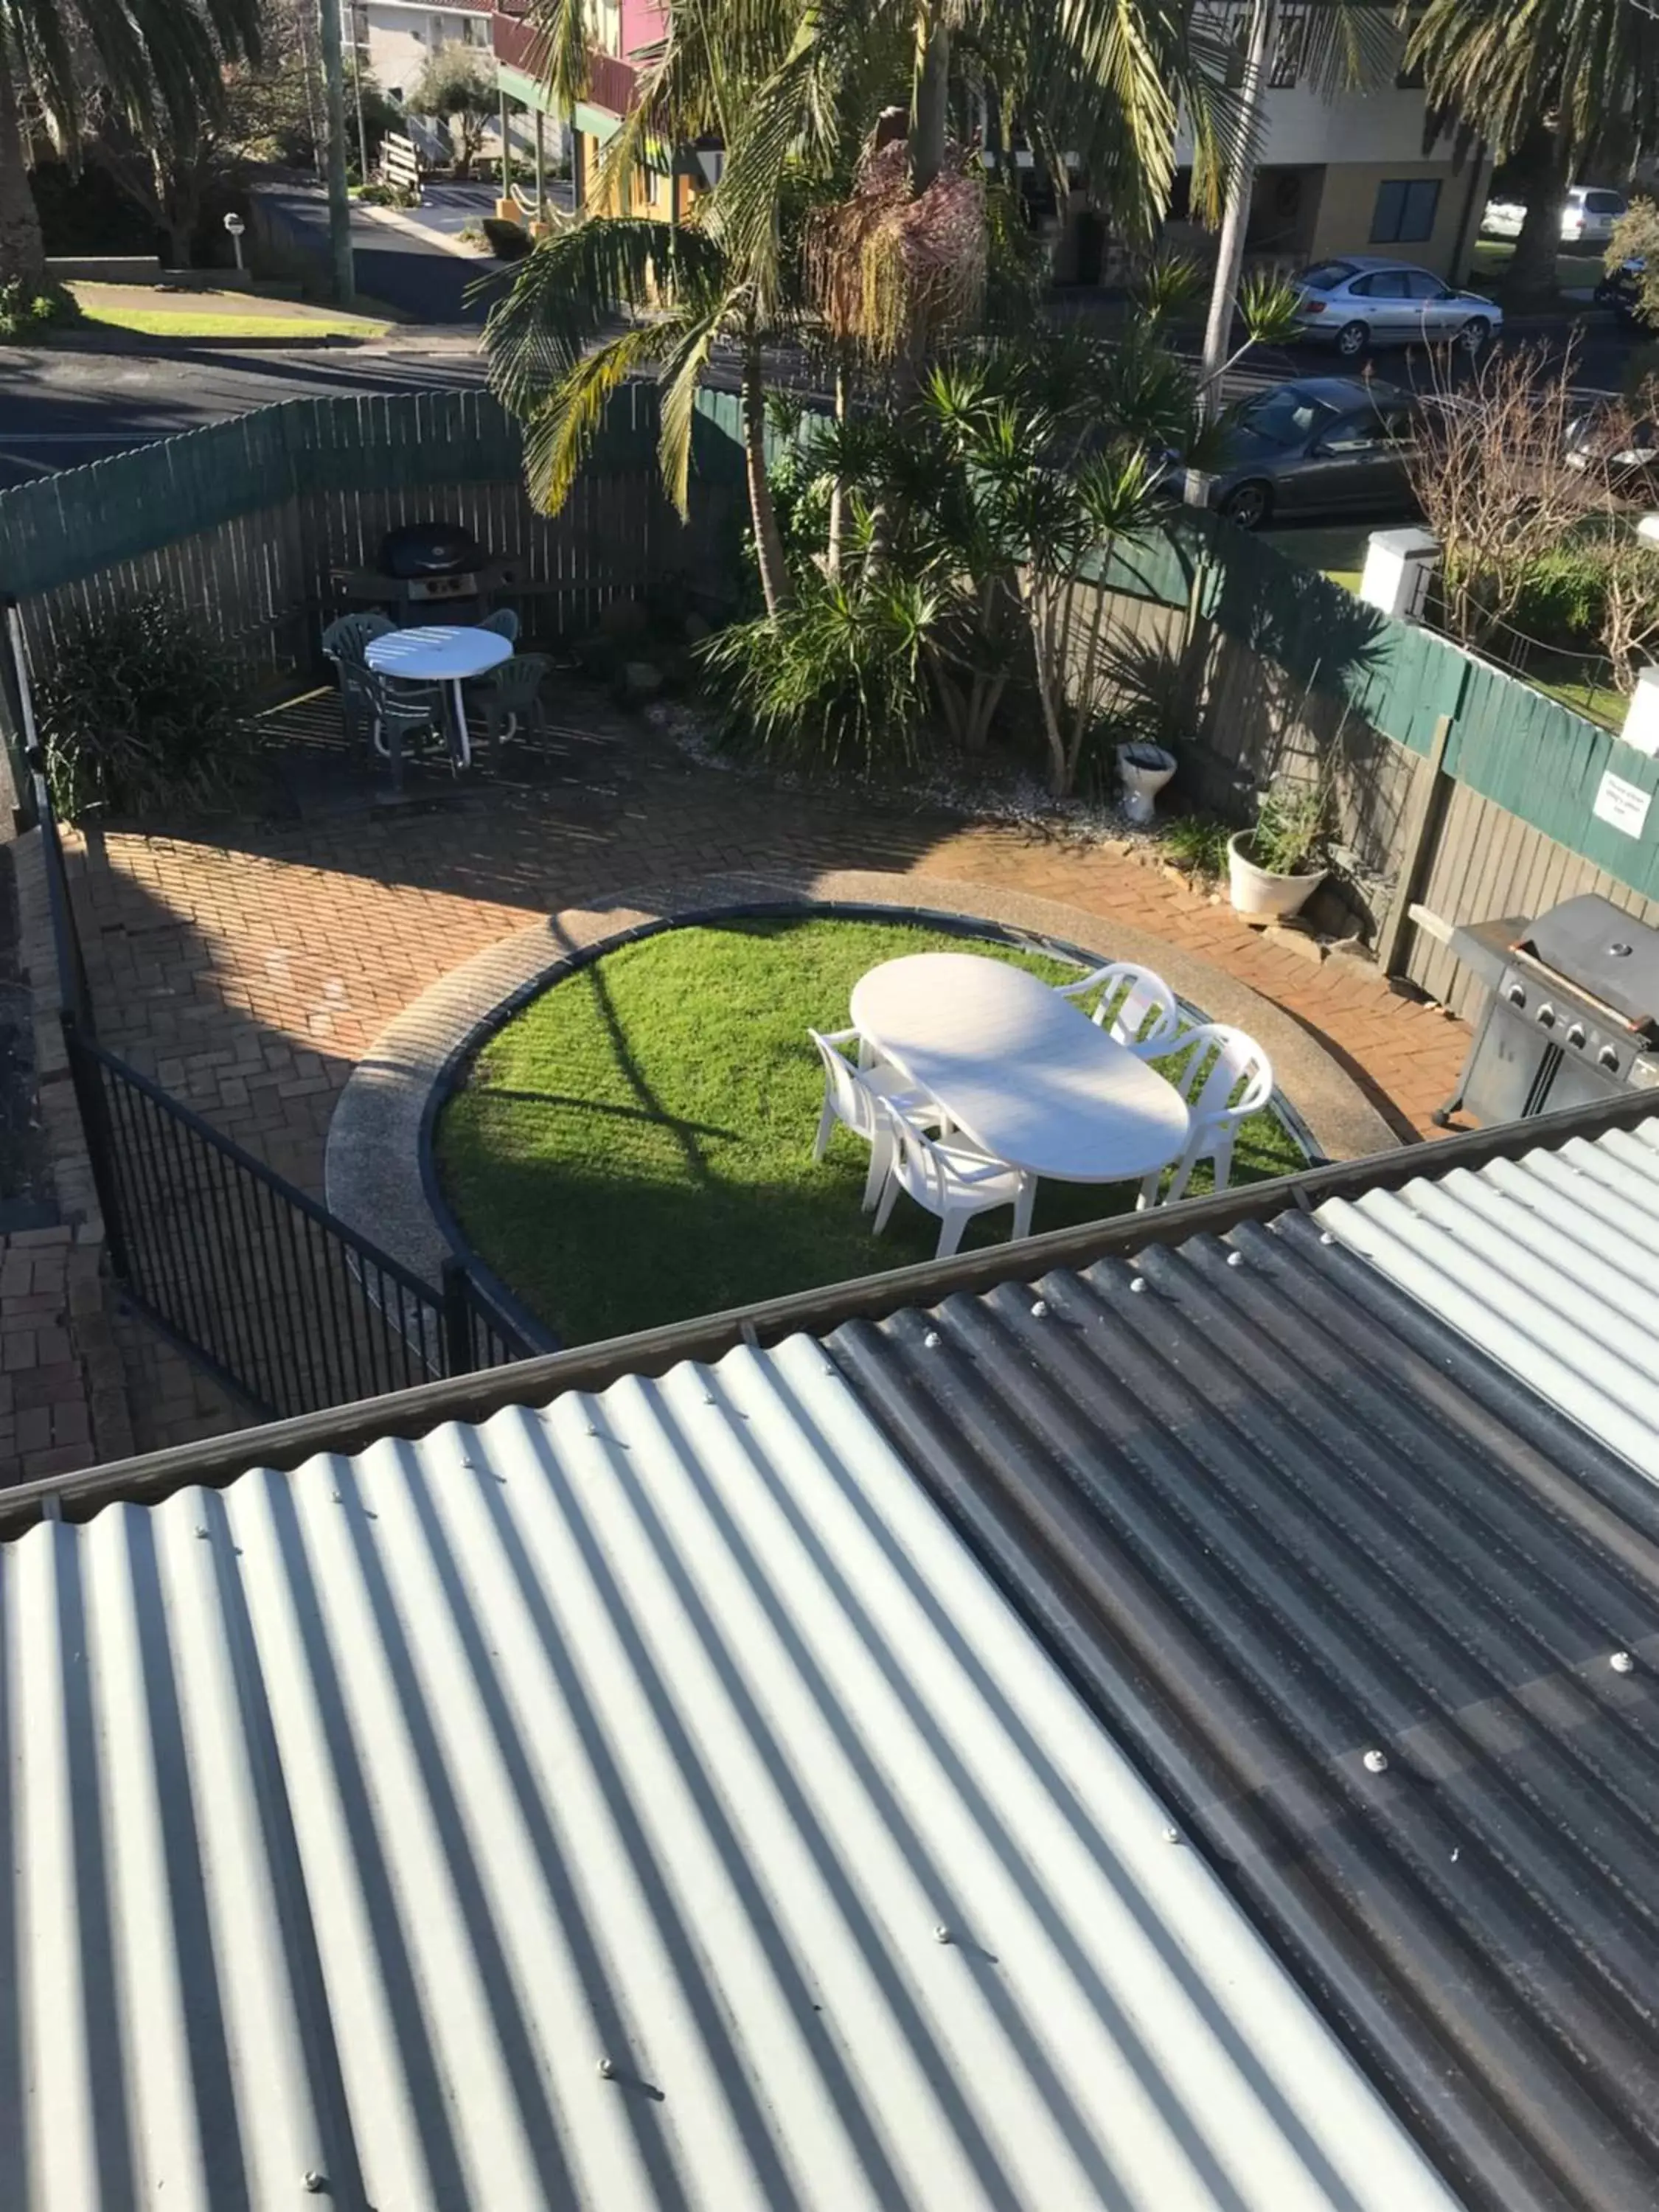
x: 62, y: 409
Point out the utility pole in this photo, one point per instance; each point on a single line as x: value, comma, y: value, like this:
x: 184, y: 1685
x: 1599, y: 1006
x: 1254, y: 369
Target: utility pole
x: 357, y: 91
x: 1235, y: 221
x: 340, y: 198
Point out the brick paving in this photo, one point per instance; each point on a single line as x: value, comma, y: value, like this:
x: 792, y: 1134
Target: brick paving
x: 247, y: 971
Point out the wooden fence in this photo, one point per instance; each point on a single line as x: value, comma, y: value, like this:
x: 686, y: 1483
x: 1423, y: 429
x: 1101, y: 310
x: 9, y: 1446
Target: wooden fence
x: 1464, y: 793
x: 254, y: 519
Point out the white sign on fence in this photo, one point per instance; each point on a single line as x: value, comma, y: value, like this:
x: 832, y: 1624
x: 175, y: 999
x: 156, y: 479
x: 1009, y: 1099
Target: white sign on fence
x: 1622, y: 805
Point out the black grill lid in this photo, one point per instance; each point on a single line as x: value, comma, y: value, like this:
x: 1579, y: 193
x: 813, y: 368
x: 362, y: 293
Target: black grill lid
x: 429, y: 548
x: 1592, y: 943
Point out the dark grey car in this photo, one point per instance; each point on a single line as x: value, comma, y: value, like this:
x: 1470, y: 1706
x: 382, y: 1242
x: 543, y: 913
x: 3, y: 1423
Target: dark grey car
x: 1323, y: 446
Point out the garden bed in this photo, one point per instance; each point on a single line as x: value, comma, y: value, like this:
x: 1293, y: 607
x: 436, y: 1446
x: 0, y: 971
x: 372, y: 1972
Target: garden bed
x: 634, y: 1146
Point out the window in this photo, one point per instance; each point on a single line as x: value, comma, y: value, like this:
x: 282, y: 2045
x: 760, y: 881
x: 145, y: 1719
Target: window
x: 1386, y: 284
x: 1354, y: 434
x: 1406, y: 212
x: 1420, y: 285
x: 1604, y: 203
x: 436, y: 33
x: 1290, y: 46
x: 1326, y: 276
x: 1288, y: 417
x: 475, y: 30
x: 605, y: 18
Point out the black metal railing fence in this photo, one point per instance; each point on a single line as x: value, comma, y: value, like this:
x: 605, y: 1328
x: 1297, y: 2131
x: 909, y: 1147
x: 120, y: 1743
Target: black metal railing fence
x: 286, y: 1305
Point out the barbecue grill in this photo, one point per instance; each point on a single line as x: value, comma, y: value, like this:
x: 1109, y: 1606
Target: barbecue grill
x: 427, y: 570
x: 1572, y: 1015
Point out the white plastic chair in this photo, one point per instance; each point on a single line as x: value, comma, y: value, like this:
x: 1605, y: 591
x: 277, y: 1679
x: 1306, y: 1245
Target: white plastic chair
x: 854, y: 1096
x: 952, y: 1179
x: 1130, y: 999
x: 1219, y: 1059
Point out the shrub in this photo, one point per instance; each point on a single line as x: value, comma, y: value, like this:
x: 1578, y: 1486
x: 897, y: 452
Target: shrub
x: 1563, y: 598
x: 836, y: 679
x: 1291, y: 824
x: 25, y: 311
x: 1198, y: 844
x: 509, y: 240
x: 143, y: 708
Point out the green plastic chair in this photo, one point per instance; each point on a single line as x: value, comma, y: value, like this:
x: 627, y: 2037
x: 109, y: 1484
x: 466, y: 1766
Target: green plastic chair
x: 509, y: 699
x: 505, y: 622
x: 400, y: 711
x: 344, y: 643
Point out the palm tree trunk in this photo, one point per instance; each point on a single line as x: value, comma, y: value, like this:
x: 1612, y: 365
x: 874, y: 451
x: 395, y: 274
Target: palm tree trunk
x: 22, y: 252
x: 838, y: 489
x: 930, y: 102
x: 769, y: 539
x: 1531, y: 274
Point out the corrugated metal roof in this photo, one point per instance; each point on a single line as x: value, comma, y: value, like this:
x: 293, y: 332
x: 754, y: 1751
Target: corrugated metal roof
x: 566, y: 1811
x: 1546, y: 1260
x: 1353, y: 1594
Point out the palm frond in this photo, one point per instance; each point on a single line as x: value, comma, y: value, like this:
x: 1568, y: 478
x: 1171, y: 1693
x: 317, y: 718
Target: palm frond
x: 575, y: 282
x: 558, y: 434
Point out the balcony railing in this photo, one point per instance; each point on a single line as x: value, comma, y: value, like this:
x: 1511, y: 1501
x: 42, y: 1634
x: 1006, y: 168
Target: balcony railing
x: 612, y: 83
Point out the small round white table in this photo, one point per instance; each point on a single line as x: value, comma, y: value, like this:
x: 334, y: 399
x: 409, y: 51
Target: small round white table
x: 442, y: 652
x: 1025, y: 1072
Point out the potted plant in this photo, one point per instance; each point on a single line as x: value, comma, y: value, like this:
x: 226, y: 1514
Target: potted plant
x: 1275, y: 868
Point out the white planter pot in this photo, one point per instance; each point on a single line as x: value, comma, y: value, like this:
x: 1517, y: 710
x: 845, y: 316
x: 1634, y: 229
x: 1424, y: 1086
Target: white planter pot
x: 1257, y: 892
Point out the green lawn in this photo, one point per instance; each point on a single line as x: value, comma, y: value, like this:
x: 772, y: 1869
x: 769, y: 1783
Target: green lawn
x: 1337, y: 549
x: 1573, y: 271
x: 634, y: 1147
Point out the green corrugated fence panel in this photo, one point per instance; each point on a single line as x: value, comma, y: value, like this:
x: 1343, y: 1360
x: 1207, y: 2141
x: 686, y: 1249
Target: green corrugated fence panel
x: 65, y: 526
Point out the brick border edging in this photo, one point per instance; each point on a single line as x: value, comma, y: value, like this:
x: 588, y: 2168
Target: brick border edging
x: 87, y: 1287
x: 375, y: 1177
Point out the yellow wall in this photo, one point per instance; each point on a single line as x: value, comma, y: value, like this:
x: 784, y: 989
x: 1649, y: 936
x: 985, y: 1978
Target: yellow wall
x: 1347, y: 205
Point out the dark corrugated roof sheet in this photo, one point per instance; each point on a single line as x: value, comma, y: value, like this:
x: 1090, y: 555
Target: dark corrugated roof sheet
x: 1353, y: 1594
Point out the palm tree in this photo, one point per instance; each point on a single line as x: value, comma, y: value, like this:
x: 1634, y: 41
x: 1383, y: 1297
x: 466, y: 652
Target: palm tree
x: 1550, y: 83
x: 146, y: 53
x: 684, y: 294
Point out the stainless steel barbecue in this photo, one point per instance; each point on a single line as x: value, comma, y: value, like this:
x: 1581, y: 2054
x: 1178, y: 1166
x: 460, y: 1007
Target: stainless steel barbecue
x: 1573, y: 1013
x: 429, y: 571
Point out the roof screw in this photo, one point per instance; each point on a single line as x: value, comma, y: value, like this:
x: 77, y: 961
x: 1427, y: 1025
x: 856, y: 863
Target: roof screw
x: 1235, y: 1258
x: 931, y: 1340
x: 1039, y: 1309
x: 313, y: 2183
x: 1138, y: 1284
x: 1172, y: 1835
x: 1377, y: 1762
x: 607, y: 2069
x: 201, y: 1532
x: 710, y: 1399
x: 593, y: 1428
x: 1622, y: 1663
x: 335, y: 1496
x: 943, y: 1934
x: 1326, y: 1237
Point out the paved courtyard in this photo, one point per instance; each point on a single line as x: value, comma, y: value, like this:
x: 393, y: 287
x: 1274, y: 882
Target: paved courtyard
x: 248, y: 970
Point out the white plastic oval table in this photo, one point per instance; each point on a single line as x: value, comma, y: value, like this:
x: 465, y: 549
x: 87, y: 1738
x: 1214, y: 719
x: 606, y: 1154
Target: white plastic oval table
x: 1025, y: 1072
x: 441, y: 653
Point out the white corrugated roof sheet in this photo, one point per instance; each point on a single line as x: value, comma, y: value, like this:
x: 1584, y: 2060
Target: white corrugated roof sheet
x: 565, y: 1812
x: 1548, y: 1263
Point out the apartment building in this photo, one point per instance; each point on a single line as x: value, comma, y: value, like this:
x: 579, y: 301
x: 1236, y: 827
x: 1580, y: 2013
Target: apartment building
x: 1352, y: 171
x: 396, y: 38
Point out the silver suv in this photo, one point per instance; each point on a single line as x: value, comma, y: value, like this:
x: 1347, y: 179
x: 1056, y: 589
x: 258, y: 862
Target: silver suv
x: 1359, y: 302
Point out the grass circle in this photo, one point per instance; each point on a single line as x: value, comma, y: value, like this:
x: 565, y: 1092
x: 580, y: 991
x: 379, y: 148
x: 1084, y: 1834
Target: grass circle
x: 634, y: 1146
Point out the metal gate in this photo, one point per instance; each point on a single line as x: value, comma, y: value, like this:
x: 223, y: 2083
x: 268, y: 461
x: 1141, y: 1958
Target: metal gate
x: 278, y: 1299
